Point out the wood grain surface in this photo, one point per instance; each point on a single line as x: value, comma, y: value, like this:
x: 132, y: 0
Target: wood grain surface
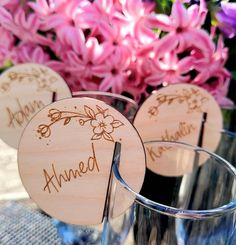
x: 24, y: 90
x: 174, y: 113
x: 65, y: 156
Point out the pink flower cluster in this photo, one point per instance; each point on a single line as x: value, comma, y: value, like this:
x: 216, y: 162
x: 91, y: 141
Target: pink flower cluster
x: 115, y: 45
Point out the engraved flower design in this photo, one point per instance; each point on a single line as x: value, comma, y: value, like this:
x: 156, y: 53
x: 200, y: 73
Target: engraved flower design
x: 195, y: 102
x: 41, y: 76
x: 102, y: 126
x: 44, y: 130
x: 153, y: 111
x: 12, y: 75
x: 102, y: 123
x: 192, y: 97
x: 44, y: 84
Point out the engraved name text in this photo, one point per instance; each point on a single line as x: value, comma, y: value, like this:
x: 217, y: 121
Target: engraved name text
x: 183, y: 130
x: 23, y: 113
x: 55, y: 180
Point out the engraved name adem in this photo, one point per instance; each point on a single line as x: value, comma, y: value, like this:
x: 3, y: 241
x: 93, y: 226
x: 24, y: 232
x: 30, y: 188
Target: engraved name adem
x: 22, y: 113
x: 55, y: 180
x: 184, y: 129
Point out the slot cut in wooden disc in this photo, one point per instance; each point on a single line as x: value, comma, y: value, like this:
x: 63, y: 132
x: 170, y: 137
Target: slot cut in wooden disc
x: 175, y: 113
x: 65, y: 156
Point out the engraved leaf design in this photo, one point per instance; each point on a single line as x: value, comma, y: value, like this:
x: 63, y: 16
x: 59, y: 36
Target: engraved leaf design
x: 107, y: 136
x: 5, y: 87
x: 52, y: 79
x: 100, y: 110
x: 67, y: 120
x: 170, y: 101
x: 96, y: 137
x: 117, y: 124
x: 102, y: 123
x: 186, y: 93
x: 105, y: 113
x: 204, y: 99
x: 89, y: 111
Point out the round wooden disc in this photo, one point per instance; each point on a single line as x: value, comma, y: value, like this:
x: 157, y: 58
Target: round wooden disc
x: 65, y: 157
x: 175, y: 113
x: 24, y: 90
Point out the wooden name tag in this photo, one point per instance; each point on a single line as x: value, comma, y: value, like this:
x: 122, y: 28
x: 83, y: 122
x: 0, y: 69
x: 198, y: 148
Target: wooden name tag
x: 65, y: 156
x: 175, y: 113
x: 24, y: 90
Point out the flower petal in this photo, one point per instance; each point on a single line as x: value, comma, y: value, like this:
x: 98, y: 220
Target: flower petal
x: 165, y: 45
x: 109, y: 119
x: 5, y: 16
x: 108, y: 128
x: 155, y: 79
x: 160, y: 21
x: 179, y: 14
x: 186, y: 64
x: 94, y: 123
x: 229, y: 8
x: 106, y: 83
x: 117, y: 86
x: 101, y: 70
x: 199, y: 39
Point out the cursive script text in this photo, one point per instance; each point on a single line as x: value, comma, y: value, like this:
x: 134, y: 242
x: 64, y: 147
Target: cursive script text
x: 183, y: 130
x: 56, y: 180
x: 23, y: 113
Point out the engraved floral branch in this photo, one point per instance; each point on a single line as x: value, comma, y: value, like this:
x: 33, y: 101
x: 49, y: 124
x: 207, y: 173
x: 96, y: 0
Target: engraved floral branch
x: 101, y: 122
x: 193, y: 98
x: 40, y: 75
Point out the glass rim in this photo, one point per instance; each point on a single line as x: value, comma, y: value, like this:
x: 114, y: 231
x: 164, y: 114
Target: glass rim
x: 108, y: 94
x: 178, y: 212
x: 228, y: 107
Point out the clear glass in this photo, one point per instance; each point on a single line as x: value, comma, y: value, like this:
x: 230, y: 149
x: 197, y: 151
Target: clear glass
x: 194, y: 209
x: 91, y: 235
x: 227, y: 146
x: 123, y: 104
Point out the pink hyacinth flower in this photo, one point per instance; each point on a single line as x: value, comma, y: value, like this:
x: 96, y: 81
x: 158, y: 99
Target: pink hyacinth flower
x: 112, y: 73
x: 170, y: 70
x: 82, y: 62
x: 25, y: 28
x: 29, y: 53
x: 210, y: 66
x: 184, y: 25
x: 137, y: 20
x: 6, y: 45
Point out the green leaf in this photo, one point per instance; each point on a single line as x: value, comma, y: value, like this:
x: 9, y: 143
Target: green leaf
x: 234, y: 74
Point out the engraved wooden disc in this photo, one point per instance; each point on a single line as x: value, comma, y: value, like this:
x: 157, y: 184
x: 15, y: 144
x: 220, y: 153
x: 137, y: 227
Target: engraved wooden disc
x: 174, y: 113
x: 24, y: 90
x: 65, y: 157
